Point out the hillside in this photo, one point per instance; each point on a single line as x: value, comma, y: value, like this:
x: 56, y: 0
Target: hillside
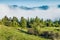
x: 10, y: 33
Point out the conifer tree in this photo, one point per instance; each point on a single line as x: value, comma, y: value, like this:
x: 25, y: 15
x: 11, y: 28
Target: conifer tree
x: 23, y: 22
x: 15, y: 22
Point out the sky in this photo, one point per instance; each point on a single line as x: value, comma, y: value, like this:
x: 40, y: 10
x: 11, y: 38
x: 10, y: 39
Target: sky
x: 46, y: 9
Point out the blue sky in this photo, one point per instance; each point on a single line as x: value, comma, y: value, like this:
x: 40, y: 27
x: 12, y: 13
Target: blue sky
x: 30, y: 2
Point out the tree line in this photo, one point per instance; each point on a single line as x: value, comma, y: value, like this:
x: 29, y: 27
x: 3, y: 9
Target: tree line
x: 29, y: 23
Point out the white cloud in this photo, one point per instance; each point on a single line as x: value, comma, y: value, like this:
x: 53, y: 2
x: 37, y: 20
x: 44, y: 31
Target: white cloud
x: 3, y: 10
x: 51, y: 13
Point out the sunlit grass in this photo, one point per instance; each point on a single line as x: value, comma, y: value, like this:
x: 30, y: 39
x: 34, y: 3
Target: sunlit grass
x: 10, y: 33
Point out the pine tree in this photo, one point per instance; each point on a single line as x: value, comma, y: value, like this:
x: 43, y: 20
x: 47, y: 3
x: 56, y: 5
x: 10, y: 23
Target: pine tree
x: 23, y: 22
x: 5, y: 21
x: 49, y: 23
x: 56, y: 23
x: 15, y: 22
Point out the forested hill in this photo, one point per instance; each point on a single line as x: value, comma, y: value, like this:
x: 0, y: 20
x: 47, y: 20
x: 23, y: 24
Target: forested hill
x: 29, y: 29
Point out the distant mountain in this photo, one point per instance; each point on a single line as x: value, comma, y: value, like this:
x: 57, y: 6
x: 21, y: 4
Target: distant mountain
x: 27, y: 8
x: 58, y: 6
x: 44, y: 7
x: 13, y: 6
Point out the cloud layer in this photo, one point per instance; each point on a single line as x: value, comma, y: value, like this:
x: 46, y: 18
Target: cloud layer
x: 45, y: 12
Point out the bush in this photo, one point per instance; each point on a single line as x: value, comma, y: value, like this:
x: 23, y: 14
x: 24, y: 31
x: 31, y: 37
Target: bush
x: 50, y: 35
x: 32, y: 31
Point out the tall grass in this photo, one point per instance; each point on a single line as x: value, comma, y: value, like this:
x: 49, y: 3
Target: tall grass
x: 10, y: 33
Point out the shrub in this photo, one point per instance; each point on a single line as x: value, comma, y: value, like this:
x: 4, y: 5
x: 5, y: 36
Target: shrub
x: 50, y: 35
x: 32, y: 31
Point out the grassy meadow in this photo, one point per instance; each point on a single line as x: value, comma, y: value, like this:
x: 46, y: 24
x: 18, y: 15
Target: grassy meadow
x: 11, y: 33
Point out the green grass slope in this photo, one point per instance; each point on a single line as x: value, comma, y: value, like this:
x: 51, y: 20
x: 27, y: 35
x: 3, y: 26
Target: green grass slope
x: 10, y: 33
